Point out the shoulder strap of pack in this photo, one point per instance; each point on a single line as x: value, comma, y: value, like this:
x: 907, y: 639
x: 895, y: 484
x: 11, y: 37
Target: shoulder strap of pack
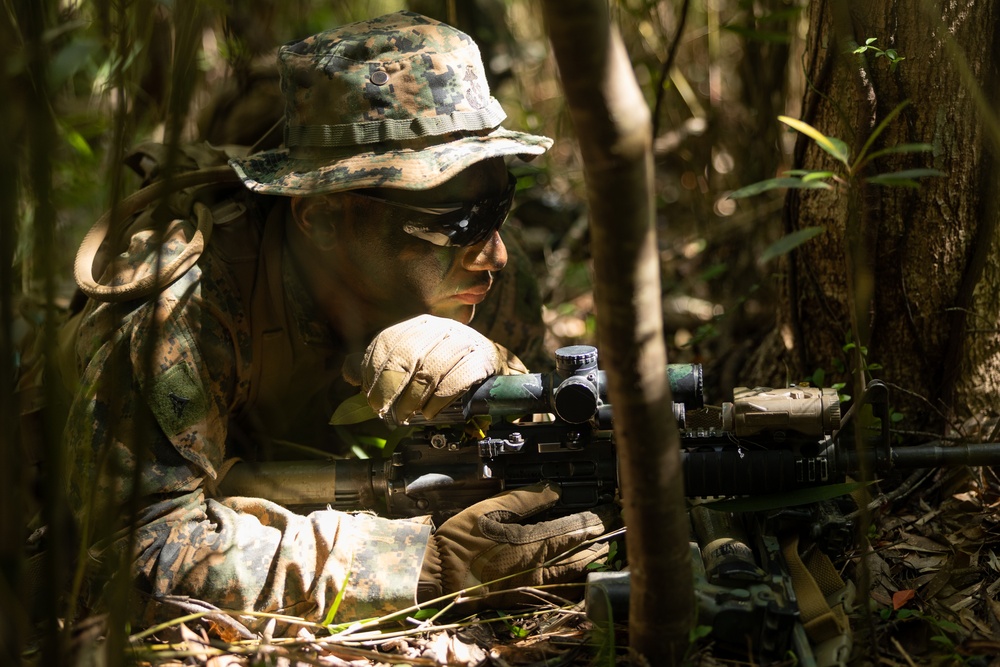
x: 83, y: 267
x: 199, y: 171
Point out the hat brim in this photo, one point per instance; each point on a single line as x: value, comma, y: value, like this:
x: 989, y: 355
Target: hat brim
x: 278, y: 172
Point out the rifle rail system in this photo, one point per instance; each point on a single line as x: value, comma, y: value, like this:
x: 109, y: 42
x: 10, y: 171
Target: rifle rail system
x: 764, y: 441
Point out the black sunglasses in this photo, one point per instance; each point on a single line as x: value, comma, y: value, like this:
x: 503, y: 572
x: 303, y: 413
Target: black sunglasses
x: 459, y: 224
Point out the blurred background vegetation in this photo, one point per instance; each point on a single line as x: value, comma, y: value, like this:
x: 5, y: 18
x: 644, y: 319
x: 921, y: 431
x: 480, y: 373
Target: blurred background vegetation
x: 85, y: 80
x: 113, y: 79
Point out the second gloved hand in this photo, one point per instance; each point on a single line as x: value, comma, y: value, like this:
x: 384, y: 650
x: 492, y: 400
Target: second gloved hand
x: 424, y: 363
x: 496, y: 539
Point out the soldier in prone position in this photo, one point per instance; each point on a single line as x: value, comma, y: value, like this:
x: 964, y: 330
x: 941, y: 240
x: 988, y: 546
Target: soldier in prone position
x: 373, y: 233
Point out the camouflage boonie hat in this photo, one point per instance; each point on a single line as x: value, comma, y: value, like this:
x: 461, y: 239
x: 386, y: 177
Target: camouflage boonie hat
x: 399, y: 101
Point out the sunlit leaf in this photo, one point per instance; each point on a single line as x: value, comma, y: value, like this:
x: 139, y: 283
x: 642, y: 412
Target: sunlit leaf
x: 775, y: 183
x: 77, y: 141
x: 789, y: 242
x: 831, y: 145
x: 817, y: 175
x: 353, y: 411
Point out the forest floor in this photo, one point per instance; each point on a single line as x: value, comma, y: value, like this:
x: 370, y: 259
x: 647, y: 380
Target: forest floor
x: 933, y: 564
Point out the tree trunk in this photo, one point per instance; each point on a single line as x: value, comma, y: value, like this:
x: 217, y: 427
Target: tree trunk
x: 614, y: 130
x: 920, y: 265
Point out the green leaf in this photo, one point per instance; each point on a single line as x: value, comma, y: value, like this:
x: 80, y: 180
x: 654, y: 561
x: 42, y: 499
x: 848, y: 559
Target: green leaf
x: 831, y: 145
x: 422, y: 614
x: 877, y: 131
x: 775, y: 183
x: 904, y: 613
x: 904, y: 178
x: 699, y: 632
x: 353, y: 411
x: 816, y: 175
x: 332, y: 611
x: 871, y: 40
x: 900, y: 148
x: 789, y: 242
x: 79, y: 144
x: 948, y: 626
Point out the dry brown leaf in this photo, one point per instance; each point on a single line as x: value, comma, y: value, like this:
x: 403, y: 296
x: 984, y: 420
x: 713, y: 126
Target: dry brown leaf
x: 197, y: 643
x: 900, y: 598
x: 226, y: 633
x: 925, y: 563
x: 451, y: 650
x: 921, y: 543
x: 973, y: 623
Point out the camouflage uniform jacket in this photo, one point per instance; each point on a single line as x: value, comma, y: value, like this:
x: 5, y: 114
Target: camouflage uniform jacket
x: 167, y: 388
x: 161, y: 401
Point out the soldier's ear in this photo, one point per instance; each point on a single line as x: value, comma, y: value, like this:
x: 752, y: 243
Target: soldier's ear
x: 318, y: 218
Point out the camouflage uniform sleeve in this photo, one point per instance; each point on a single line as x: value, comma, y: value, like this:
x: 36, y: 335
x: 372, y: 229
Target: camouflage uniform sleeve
x: 158, y: 383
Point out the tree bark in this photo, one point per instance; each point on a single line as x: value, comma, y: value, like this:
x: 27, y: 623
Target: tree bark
x: 925, y: 275
x: 614, y: 130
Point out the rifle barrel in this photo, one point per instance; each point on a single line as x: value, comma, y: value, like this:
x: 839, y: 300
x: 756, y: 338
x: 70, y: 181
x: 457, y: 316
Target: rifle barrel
x: 933, y: 455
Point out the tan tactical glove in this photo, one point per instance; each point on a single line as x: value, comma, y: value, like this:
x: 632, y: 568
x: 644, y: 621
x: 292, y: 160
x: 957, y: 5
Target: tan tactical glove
x: 424, y: 363
x: 492, y: 539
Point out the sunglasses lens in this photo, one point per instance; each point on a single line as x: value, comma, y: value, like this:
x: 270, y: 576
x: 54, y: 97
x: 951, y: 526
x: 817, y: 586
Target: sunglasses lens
x: 467, y: 226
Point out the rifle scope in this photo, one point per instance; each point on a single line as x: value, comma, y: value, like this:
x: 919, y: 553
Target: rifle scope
x: 575, y: 392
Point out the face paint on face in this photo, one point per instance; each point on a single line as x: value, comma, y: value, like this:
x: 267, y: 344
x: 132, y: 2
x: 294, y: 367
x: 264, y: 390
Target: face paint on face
x: 392, y: 275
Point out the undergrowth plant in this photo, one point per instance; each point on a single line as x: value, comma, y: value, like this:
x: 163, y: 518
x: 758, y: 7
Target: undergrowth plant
x: 849, y: 173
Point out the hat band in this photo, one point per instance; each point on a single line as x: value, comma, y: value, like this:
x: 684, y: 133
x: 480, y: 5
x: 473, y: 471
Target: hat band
x: 370, y: 132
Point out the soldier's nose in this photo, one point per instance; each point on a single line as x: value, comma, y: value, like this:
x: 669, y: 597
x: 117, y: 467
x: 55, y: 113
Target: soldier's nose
x: 489, y: 255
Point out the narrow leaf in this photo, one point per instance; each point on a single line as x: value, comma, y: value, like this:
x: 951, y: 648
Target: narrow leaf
x: 831, y: 145
x: 904, y: 178
x: 900, y: 148
x: 789, y: 242
x: 816, y: 175
x: 774, y: 183
x: 877, y: 131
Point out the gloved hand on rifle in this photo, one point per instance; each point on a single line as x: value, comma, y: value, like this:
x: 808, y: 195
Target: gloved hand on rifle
x: 424, y: 363
x: 496, y: 539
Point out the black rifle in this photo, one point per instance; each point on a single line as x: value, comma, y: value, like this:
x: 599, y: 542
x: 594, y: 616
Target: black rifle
x: 765, y: 441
